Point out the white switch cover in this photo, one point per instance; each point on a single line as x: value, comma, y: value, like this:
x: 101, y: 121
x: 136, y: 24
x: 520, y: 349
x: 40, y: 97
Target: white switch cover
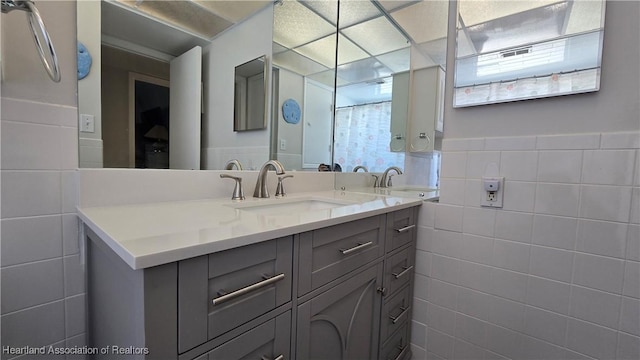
x: 283, y: 144
x: 87, y: 123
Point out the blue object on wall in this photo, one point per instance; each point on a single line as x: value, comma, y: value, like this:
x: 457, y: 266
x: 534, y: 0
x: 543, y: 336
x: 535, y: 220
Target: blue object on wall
x: 291, y: 111
x: 84, y: 61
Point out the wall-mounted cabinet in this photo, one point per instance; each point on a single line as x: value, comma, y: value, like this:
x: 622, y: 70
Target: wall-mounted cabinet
x: 399, y: 111
x: 426, y: 115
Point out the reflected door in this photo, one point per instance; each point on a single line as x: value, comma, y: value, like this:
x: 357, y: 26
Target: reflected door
x: 317, y: 119
x: 185, y: 110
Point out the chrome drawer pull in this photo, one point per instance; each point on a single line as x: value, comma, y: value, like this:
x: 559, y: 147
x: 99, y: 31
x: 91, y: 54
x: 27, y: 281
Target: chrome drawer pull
x: 281, y: 357
x: 395, y: 319
x: 405, y: 270
x: 403, y: 350
x: 405, y: 229
x: 356, y: 248
x: 244, y: 290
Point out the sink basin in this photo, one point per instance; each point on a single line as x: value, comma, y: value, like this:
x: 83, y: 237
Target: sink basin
x: 279, y: 206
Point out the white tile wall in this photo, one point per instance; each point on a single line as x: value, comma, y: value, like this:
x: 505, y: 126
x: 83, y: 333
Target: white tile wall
x: 42, y: 276
x: 555, y: 273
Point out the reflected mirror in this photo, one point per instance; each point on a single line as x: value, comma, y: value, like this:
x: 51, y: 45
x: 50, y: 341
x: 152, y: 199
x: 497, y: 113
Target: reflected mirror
x: 515, y: 50
x: 249, y: 111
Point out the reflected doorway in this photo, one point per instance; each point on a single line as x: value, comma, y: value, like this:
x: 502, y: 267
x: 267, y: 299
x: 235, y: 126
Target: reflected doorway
x: 148, y: 122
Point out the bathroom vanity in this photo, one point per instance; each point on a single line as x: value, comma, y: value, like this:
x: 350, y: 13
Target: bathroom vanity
x: 321, y: 276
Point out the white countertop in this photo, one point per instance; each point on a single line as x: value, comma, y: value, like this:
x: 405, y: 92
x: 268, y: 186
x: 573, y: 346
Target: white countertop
x: 147, y: 235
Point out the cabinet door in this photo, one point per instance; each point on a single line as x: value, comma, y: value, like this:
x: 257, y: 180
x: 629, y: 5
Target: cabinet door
x: 398, y: 346
x: 331, y: 252
x: 224, y: 290
x: 396, y: 312
x: 268, y: 341
x: 426, y: 109
x: 401, y: 228
x: 398, y: 269
x: 342, y: 322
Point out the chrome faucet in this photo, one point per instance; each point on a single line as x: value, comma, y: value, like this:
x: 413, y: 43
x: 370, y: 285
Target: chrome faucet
x: 355, y: 169
x: 231, y: 163
x: 238, y: 193
x: 383, y: 180
x: 261, y: 186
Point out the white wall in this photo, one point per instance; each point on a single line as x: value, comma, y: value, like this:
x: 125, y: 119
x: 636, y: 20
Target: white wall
x: 291, y: 86
x: 43, y: 292
x: 555, y: 273
x: 239, y: 44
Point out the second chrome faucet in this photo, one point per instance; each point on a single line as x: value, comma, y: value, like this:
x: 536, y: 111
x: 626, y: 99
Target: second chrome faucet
x: 261, y: 185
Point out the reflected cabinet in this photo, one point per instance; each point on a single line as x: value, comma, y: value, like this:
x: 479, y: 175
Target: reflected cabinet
x: 338, y: 292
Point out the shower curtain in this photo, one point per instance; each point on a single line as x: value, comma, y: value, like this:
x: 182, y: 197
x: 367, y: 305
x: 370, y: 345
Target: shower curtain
x: 362, y: 137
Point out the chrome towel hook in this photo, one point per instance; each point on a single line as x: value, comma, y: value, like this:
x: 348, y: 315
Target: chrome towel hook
x: 38, y: 29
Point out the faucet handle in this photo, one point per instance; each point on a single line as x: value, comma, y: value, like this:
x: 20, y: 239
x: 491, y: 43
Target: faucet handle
x: 238, y: 193
x: 389, y: 181
x: 375, y: 181
x: 280, y: 188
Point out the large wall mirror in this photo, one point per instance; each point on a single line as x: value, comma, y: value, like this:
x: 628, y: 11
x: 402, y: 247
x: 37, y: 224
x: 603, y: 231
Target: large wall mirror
x: 515, y: 50
x: 348, y: 79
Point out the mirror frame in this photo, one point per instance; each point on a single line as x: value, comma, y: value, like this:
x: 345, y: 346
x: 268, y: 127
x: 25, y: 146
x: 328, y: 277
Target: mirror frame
x: 238, y: 125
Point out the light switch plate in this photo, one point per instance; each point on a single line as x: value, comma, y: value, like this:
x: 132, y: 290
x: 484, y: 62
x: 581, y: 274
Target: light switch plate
x: 87, y: 123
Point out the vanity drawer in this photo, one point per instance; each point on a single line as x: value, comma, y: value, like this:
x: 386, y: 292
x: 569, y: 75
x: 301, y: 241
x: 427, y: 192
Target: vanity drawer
x: 398, y: 269
x: 396, y: 312
x: 223, y: 290
x: 328, y: 253
x: 401, y: 228
x: 398, y: 346
x: 267, y: 341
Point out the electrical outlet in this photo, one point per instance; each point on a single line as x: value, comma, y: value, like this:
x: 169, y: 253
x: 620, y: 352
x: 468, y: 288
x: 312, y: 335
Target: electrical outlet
x: 493, y: 192
x: 283, y: 144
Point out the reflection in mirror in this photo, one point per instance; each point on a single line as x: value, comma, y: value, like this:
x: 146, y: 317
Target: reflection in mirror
x: 147, y: 38
x: 304, y: 53
x: 249, y: 112
x: 372, y: 49
x: 518, y: 50
x: 379, y: 42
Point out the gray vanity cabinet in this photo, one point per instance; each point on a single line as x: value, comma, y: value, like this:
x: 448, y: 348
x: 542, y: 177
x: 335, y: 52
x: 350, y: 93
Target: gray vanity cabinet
x: 339, y: 292
x: 342, y: 322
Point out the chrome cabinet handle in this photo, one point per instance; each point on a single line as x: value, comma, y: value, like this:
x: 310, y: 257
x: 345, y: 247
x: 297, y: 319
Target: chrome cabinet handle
x: 405, y: 229
x: 281, y: 357
x: 244, y: 290
x: 395, y: 319
x: 403, y: 350
x: 356, y: 248
x: 405, y: 270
